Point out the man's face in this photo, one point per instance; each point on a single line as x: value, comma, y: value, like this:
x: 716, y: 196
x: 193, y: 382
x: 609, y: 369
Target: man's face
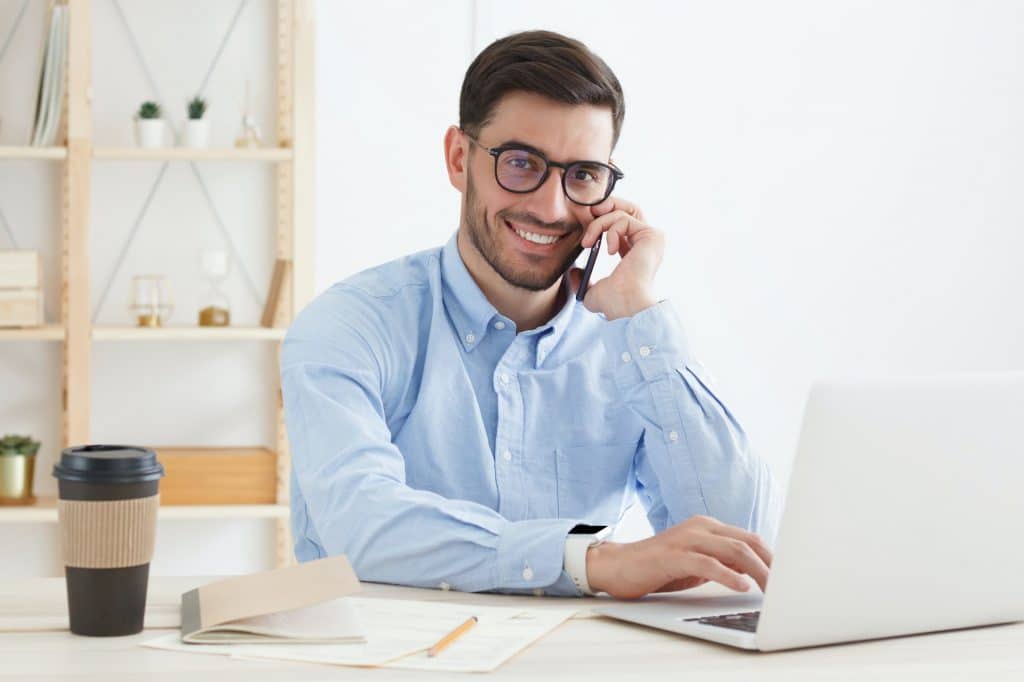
x: 501, y: 223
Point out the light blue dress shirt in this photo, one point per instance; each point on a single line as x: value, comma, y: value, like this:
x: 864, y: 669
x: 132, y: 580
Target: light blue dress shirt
x: 436, y: 446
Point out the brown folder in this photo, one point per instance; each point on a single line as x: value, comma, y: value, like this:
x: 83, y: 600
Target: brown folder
x: 300, y: 603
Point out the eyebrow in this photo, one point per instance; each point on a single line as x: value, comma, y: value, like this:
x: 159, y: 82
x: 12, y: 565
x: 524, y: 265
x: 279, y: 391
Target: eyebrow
x: 530, y: 147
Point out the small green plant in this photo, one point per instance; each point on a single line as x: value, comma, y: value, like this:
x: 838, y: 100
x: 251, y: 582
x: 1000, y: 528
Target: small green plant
x: 196, y: 107
x: 149, y: 110
x: 18, y: 445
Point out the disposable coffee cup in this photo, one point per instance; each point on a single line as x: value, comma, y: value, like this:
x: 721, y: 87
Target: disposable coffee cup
x: 107, y: 509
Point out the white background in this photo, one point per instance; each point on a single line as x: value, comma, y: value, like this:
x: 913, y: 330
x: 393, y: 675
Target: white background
x: 839, y: 183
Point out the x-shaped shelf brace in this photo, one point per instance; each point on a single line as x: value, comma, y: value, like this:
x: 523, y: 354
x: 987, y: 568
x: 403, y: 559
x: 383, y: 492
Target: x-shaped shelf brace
x: 163, y: 169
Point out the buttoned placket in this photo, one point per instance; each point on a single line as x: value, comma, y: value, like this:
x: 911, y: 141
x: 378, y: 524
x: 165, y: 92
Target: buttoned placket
x: 508, y: 437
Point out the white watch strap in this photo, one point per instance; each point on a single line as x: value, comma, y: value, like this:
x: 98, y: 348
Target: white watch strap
x: 575, y: 562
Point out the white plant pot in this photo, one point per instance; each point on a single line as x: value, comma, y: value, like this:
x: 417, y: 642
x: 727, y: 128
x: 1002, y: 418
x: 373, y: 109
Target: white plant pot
x: 149, y: 132
x: 197, y: 133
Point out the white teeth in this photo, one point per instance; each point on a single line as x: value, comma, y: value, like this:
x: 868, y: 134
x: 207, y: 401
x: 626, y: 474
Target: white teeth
x: 536, y: 238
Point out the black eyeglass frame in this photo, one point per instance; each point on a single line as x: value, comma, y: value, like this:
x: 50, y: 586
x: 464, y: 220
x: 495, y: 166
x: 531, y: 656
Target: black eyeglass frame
x: 495, y: 152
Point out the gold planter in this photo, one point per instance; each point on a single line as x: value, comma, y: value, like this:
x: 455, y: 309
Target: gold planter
x: 16, y: 479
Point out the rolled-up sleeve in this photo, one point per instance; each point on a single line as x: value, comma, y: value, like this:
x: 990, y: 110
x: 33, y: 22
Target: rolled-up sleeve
x: 694, y: 457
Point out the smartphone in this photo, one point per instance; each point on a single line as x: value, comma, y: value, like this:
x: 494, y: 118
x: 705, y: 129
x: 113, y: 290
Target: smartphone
x: 589, y: 269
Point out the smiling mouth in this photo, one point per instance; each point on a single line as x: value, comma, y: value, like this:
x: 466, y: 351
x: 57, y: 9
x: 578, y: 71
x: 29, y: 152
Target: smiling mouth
x: 534, y: 238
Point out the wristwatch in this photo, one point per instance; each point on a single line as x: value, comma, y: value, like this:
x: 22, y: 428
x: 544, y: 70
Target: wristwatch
x: 577, y: 542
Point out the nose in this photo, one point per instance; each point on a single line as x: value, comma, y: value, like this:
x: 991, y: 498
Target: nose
x: 548, y: 202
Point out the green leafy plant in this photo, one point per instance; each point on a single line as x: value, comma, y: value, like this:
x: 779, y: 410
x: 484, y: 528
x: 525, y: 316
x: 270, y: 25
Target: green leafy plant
x: 18, y: 445
x: 149, y: 110
x: 196, y: 107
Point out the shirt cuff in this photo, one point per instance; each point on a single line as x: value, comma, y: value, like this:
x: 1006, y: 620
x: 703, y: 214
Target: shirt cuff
x: 647, y: 346
x: 531, y: 553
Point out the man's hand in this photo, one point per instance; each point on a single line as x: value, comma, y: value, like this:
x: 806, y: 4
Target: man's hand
x: 683, y: 556
x: 629, y: 289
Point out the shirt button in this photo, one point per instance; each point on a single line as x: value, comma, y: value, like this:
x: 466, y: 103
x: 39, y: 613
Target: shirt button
x: 499, y: 325
x: 538, y: 592
x: 504, y: 378
x: 470, y: 338
x: 626, y: 357
x: 527, y: 573
x: 644, y: 351
x: 673, y: 436
x: 445, y: 586
x: 507, y: 455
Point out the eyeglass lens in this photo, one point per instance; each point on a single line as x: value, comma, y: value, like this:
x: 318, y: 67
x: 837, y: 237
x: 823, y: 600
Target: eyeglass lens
x: 519, y: 170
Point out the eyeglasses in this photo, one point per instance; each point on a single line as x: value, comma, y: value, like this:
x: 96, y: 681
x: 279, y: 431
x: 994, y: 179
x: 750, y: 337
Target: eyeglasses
x: 522, y: 169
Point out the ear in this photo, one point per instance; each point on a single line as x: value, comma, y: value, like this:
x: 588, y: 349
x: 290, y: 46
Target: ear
x: 456, y: 157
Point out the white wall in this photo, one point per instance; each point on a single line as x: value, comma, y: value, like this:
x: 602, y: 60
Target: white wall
x: 838, y: 182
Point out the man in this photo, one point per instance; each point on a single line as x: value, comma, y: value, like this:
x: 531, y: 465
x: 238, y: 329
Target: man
x: 456, y: 414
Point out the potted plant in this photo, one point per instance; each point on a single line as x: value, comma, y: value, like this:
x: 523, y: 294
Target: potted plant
x: 17, y: 465
x: 149, y: 127
x: 197, y: 128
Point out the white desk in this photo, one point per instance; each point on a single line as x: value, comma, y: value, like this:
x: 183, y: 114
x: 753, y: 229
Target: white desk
x: 585, y: 648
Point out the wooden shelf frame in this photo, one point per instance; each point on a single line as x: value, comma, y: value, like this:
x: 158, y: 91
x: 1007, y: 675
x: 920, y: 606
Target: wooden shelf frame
x: 294, y: 161
x: 269, y: 154
x: 188, y: 334
x: 44, y: 153
x: 48, y: 332
x: 44, y: 510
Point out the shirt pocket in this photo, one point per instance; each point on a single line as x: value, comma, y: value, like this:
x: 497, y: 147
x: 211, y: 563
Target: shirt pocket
x: 593, y: 481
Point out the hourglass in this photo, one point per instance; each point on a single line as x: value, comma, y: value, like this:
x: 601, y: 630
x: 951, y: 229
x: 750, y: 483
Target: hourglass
x: 214, y: 307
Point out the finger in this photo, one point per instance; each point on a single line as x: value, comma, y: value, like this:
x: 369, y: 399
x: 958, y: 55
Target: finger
x: 613, y: 238
x: 628, y: 223
x: 614, y: 203
x: 705, y: 566
x: 734, y: 553
x: 752, y: 539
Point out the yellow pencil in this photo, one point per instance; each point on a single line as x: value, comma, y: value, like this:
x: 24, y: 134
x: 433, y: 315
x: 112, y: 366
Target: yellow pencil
x: 451, y: 637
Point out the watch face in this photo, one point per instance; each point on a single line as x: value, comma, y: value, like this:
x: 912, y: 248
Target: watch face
x: 584, y: 529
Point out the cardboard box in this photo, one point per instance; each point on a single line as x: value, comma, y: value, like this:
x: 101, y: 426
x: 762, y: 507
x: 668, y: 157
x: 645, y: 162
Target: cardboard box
x: 21, y: 308
x: 20, y: 269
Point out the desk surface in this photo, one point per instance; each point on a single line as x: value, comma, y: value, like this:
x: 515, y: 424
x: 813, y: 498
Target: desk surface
x: 586, y: 647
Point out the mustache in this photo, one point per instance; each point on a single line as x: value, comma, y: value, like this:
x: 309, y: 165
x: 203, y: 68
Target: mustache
x: 562, y: 227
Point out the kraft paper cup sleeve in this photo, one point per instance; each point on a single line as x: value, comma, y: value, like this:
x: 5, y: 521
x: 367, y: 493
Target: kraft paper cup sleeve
x: 108, y: 533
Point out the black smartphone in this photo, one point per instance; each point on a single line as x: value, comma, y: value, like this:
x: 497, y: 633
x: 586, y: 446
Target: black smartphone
x: 589, y: 269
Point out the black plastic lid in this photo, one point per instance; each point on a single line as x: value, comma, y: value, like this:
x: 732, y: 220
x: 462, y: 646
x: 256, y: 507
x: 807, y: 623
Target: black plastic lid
x: 108, y: 464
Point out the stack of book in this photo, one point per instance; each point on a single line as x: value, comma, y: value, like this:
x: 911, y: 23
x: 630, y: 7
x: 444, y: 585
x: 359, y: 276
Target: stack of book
x: 21, y: 292
x: 50, y: 101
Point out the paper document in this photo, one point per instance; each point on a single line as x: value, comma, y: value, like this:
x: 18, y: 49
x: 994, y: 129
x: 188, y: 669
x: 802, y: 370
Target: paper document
x: 399, y: 633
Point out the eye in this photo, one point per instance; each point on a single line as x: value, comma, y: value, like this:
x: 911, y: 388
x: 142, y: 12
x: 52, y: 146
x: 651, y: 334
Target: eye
x: 585, y: 174
x: 521, y: 161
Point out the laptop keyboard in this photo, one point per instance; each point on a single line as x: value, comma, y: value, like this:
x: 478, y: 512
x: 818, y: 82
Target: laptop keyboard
x: 746, y: 621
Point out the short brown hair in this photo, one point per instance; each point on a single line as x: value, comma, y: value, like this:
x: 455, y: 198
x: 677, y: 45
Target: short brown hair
x: 544, y: 63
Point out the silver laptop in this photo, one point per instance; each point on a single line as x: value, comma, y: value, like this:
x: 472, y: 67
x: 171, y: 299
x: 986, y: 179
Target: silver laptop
x: 904, y: 514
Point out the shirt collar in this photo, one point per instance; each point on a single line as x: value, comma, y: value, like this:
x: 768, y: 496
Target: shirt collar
x: 471, y: 312
x: 467, y: 306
